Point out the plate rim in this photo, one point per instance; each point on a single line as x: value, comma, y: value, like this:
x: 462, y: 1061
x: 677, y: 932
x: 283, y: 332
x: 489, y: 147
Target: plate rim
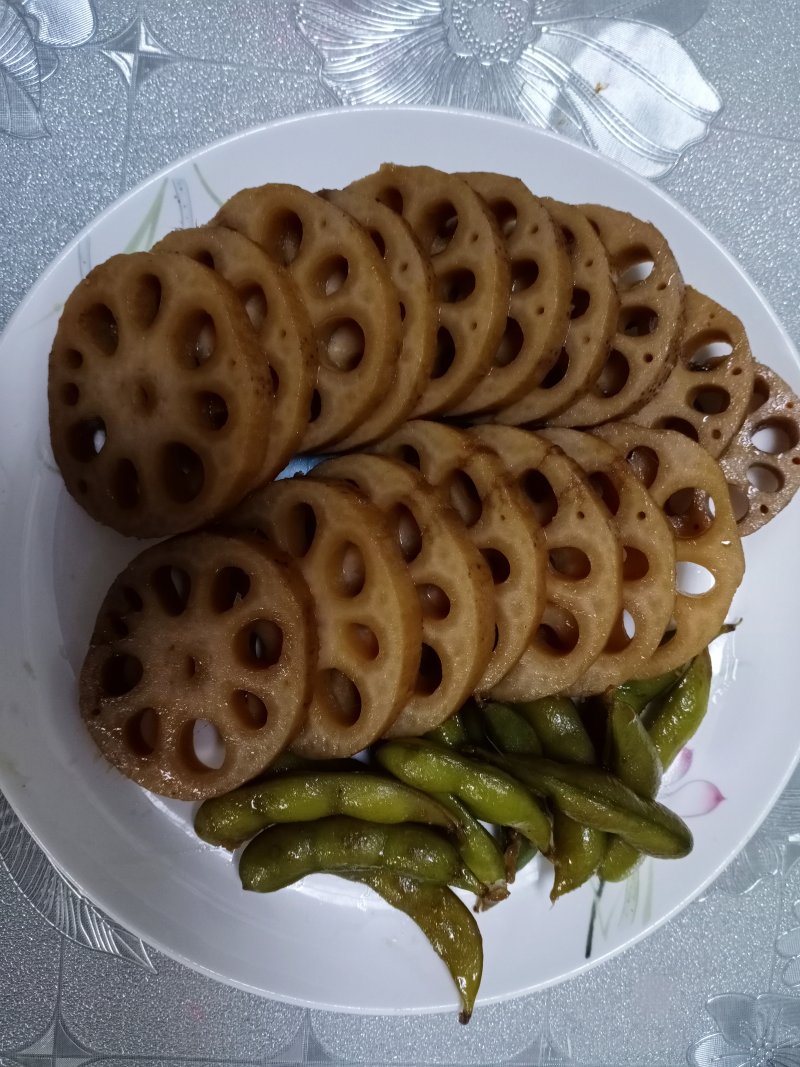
x: 15, y: 794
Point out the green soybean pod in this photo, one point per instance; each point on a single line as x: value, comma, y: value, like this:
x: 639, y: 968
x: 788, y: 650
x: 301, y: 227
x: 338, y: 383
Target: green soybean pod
x: 577, y: 853
x: 479, y: 850
x: 518, y: 852
x: 632, y: 755
x: 508, y: 730
x: 490, y: 794
x: 638, y: 693
x: 448, y: 925
x: 560, y: 730
x: 450, y: 733
x: 597, y: 799
x: 675, y: 720
x: 303, y: 796
x: 286, y: 852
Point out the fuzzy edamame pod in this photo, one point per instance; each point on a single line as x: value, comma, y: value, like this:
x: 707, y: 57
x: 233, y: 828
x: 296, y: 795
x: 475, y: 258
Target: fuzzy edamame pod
x: 597, y: 799
x: 447, y: 923
x: 286, y: 852
x: 479, y: 850
x: 300, y: 796
x: 577, y: 853
x: 640, y: 692
x: 675, y: 720
x: 509, y: 731
x: 632, y: 756
x: 560, y: 730
x: 490, y: 794
x: 450, y: 733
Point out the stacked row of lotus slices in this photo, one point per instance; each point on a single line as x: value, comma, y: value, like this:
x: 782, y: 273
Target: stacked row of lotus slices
x: 413, y: 328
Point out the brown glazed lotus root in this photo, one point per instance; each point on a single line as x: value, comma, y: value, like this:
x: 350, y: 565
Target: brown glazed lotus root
x: 541, y: 293
x: 160, y: 399
x: 346, y: 288
x: 593, y: 320
x: 706, y: 395
x: 762, y: 462
x: 280, y: 320
x: 368, y: 614
x: 500, y: 521
x: 651, y: 317
x: 689, y: 487
x: 467, y: 252
x: 648, y: 561
x: 583, y: 584
x: 415, y: 282
x: 199, y: 633
x: 453, y: 583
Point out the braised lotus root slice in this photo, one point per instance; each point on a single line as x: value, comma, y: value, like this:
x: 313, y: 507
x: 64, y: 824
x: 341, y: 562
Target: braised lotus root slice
x: 201, y: 665
x: 651, y: 317
x: 280, y: 320
x: 708, y: 391
x: 459, y: 233
x: 415, y: 282
x: 346, y: 288
x: 689, y: 487
x: 160, y: 399
x: 541, y: 293
x: 762, y: 462
x: 452, y: 580
x: 369, y: 618
x: 593, y: 314
x: 499, y: 520
x: 583, y: 582
x: 648, y: 561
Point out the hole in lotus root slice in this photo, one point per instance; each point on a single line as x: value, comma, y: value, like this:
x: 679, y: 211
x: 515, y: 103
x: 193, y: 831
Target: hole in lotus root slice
x: 279, y: 318
x: 348, y: 570
x: 648, y: 560
x: 212, y: 410
x: 707, y: 393
x: 690, y: 490
x: 86, y: 439
x: 541, y: 495
x: 498, y: 564
x: 693, y: 580
x: 455, y: 227
x: 506, y: 528
x: 541, y: 292
x: 338, y: 697
x: 650, y: 325
x: 332, y: 275
x: 229, y: 588
x: 464, y: 497
x: 387, y: 604
x: 364, y: 641
x: 762, y: 462
x: 145, y: 301
x: 412, y: 275
x: 143, y: 424
x: 99, y: 325
x: 633, y: 266
x: 564, y: 651
x: 247, y: 672
x: 434, y: 601
x: 438, y: 552
x: 585, y: 339
x: 356, y: 325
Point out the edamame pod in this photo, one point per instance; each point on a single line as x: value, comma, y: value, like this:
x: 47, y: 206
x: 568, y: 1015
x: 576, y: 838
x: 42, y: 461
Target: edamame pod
x: 518, y: 852
x: 509, y: 731
x: 300, y: 797
x: 632, y: 756
x: 479, y: 850
x: 446, y: 922
x: 231, y: 819
x: 639, y: 692
x: 675, y: 720
x: 597, y: 799
x: 560, y: 730
x: 577, y: 853
x: 450, y: 733
x: 285, y: 853
x: 490, y: 794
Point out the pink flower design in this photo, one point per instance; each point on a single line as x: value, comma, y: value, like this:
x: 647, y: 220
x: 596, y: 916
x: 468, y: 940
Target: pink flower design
x: 692, y: 798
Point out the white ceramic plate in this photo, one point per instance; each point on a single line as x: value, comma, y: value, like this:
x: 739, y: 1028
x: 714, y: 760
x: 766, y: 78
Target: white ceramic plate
x: 324, y: 942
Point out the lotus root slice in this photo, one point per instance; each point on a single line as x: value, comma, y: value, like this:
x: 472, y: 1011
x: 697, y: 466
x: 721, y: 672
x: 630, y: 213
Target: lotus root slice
x: 412, y: 274
x: 467, y: 253
x: 347, y: 291
x: 651, y: 317
x: 593, y: 312
x: 762, y: 462
x: 201, y: 665
x: 452, y: 580
x: 368, y: 614
x: 583, y: 584
x: 648, y: 561
x: 280, y: 320
x: 160, y: 399
x: 690, y: 488
x: 499, y: 520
